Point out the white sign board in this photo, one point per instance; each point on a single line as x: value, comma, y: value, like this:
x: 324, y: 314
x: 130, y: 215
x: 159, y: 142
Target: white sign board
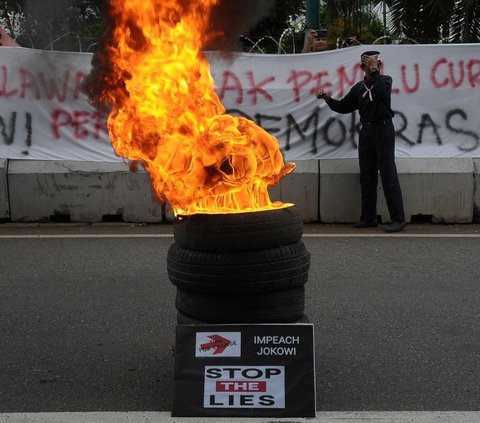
x: 244, y: 387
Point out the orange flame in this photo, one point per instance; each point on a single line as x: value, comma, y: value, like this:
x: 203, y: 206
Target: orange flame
x: 165, y: 113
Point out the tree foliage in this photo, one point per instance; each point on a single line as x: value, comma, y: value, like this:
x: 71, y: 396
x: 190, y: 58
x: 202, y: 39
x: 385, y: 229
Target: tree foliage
x: 273, y: 25
x: 55, y: 24
x: 433, y: 21
x: 343, y: 19
x: 77, y: 24
x: 11, y: 16
x: 352, y: 19
x: 466, y: 22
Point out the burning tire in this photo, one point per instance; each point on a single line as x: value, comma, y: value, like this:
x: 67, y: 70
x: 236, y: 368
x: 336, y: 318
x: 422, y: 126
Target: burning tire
x: 246, y: 267
x: 273, y: 307
x: 261, y: 271
x: 239, y: 232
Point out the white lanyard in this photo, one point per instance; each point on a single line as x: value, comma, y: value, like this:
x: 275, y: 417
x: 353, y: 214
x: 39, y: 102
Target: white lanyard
x: 369, y: 92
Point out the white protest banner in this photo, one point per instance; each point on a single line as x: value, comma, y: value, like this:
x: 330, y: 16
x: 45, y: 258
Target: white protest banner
x: 43, y: 113
x: 45, y: 116
x: 435, y: 96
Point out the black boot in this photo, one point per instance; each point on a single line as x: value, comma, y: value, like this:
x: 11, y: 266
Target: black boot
x: 366, y: 224
x: 395, y: 227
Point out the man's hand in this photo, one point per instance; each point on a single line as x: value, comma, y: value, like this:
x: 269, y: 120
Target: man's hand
x: 313, y: 43
x: 323, y: 95
x: 371, y: 62
x: 311, y: 34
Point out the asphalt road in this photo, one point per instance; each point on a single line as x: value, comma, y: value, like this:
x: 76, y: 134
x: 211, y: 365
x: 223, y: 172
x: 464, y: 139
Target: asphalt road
x: 87, y: 318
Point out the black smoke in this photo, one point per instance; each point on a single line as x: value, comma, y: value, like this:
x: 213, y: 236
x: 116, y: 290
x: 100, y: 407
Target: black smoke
x: 232, y: 18
x: 67, y: 25
x: 229, y: 20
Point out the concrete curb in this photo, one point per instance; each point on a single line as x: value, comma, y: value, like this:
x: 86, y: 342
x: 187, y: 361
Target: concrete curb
x: 80, y: 192
x: 442, y: 188
x: 301, y: 188
x: 4, y: 203
x: 476, y: 189
x: 339, y: 191
x: 326, y: 191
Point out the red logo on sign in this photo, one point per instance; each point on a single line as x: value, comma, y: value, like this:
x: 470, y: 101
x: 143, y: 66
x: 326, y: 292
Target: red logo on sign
x: 217, y: 343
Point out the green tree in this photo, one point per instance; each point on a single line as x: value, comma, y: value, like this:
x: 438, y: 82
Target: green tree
x: 269, y: 30
x: 466, y: 22
x: 346, y: 19
x: 11, y: 16
x: 56, y: 24
x: 432, y: 21
x: 343, y: 19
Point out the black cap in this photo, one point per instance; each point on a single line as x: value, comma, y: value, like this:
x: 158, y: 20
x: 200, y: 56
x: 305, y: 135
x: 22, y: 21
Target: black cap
x: 370, y: 53
x: 322, y: 33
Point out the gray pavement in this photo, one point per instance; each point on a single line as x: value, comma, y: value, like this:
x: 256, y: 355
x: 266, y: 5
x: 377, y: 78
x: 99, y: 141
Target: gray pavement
x: 87, y: 320
x: 322, y: 417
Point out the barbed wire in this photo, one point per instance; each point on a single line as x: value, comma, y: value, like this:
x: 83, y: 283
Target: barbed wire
x: 86, y: 44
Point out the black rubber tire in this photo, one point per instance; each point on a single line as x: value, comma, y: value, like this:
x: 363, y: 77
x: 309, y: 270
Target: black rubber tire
x: 182, y: 319
x: 270, y: 270
x: 274, y: 307
x: 239, y: 232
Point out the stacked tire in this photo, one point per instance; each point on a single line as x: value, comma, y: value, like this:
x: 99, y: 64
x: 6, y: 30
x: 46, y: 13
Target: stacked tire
x: 239, y: 268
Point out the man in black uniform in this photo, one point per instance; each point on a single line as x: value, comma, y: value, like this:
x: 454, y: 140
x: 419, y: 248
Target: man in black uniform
x: 376, y: 148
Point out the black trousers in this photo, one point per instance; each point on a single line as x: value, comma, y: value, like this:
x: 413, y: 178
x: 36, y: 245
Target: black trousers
x: 376, y: 153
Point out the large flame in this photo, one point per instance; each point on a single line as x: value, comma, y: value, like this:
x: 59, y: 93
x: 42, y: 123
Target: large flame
x: 165, y: 112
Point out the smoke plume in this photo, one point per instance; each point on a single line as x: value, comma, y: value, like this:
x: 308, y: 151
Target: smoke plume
x: 229, y: 20
x: 232, y: 18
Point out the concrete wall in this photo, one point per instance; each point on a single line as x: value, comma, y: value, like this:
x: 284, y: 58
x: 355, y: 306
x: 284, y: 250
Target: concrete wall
x: 339, y: 191
x: 476, y: 195
x: 79, y: 192
x: 328, y: 191
x: 4, y: 203
x: 440, y: 189
x: 300, y: 188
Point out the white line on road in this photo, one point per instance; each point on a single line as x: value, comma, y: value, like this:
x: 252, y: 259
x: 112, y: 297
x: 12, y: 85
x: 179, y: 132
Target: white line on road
x: 32, y: 236
x: 323, y: 417
x: 395, y: 235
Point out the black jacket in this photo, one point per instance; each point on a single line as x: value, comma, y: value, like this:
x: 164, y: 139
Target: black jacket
x: 372, y: 99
